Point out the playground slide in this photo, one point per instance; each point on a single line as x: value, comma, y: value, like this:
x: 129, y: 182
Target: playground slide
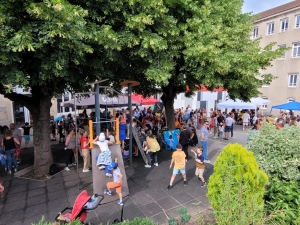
x: 99, y: 178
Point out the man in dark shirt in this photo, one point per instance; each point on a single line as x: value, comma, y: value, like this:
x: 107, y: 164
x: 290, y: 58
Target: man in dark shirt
x: 127, y: 113
x: 184, y: 139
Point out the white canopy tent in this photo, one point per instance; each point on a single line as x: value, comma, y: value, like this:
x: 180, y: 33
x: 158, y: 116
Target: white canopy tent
x: 239, y: 104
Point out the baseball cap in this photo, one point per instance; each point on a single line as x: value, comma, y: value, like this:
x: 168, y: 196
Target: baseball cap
x: 179, y: 146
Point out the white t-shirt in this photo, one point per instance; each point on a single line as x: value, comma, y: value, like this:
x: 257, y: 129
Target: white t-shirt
x: 229, y: 121
x: 246, y: 117
x: 103, y: 145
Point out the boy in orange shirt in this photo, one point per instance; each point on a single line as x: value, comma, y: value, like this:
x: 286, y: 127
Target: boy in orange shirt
x: 178, y: 158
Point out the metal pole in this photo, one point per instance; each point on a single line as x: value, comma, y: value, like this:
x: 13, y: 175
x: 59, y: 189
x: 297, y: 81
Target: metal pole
x: 130, y: 123
x: 76, y: 139
x: 97, y: 109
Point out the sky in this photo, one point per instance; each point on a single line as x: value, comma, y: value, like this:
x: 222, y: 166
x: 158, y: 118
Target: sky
x: 257, y: 6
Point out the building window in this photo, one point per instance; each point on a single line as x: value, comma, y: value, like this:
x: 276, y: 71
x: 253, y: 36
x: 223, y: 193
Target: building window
x: 283, y: 53
x: 264, y: 106
x: 284, y: 24
x: 292, y: 80
x: 255, y: 32
x: 290, y: 100
x: 270, y: 28
x: 297, y: 21
x: 296, y: 49
x: 265, y: 85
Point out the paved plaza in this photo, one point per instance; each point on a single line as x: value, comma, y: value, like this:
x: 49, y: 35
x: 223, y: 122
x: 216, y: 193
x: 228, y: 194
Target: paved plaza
x: 27, y: 200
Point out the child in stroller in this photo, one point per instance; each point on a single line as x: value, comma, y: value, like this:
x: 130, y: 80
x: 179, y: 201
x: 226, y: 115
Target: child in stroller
x: 82, y: 205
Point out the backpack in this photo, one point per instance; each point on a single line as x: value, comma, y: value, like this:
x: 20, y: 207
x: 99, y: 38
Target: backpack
x: 54, y: 169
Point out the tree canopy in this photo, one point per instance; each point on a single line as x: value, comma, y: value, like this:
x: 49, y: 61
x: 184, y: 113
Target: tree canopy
x: 52, y: 46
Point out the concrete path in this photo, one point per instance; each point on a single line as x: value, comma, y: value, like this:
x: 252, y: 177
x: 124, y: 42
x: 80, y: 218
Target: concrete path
x: 27, y: 200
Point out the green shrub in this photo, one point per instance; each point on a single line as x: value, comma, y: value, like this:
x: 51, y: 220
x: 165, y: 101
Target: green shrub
x: 236, y: 187
x: 172, y: 221
x: 278, y: 151
x: 283, y: 197
x: 184, y: 216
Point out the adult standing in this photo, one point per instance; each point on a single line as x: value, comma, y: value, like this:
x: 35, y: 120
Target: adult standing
x: 204, y: 140
x: 184, y: 139
x: 228, y: 126
x: 9, y: 143
x: 26, y: 134
x: 246, y: 120
x: 153, y: 147
x: 70, y: 148
x: 17, y: 135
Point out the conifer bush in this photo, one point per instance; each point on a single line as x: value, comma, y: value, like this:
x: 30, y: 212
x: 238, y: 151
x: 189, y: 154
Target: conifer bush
x: 236, y: 187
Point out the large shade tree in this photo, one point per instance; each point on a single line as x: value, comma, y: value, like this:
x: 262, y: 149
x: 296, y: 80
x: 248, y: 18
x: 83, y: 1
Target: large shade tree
x: 175, y: 46
x: 52, y: 46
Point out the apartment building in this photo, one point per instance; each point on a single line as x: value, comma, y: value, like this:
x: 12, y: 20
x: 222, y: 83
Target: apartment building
x: 281, y: 25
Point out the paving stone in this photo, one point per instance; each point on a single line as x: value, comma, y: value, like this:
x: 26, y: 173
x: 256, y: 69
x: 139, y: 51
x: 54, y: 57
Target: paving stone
x: 35, y: 210
x: 195, y: 191
x: 36, y: 200
x: 55, y: 187
x: 131, y: 212
x: 57, y: 195
x: 11, y: 217
x: 55, y: 181
x: 194, y: 207
x: 17, y: 223
x: 12, y: 206
x: 36, y: 192
x: 182, y: 197
x: 160, y: 218
x: 73, y: 191
x: 107, y: 210
x: 173, y: 212
x: 142, y: 199
x: 36, y: 184
x: 16, y: 197
x: 18, y: 182
x: 70, y: 184
x: 167, y: 203
x: 58, y: 205
x: 34, y: 219
x: 156, y: 193
x: 17, y: 189
x: 151, y: 209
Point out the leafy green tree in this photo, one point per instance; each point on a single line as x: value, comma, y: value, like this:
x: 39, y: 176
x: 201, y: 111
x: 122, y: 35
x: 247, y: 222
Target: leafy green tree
x: 46, y: 48
x: 169, y: 45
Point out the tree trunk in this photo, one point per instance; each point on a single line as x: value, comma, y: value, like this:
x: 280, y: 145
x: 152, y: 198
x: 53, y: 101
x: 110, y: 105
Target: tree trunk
x: 41, y: 136
x: 168, y: 100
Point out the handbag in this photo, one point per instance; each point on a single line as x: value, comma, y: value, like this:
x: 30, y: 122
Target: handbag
x: 18, y: 151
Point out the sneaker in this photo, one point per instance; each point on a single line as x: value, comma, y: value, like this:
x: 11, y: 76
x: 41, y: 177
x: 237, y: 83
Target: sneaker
x: 185, y: 183
x: 169, y: 187
x: 85, y: 171
x: 155, y: 164
x: 243, y: 128
x: 67, y: 169
x: 74, y: 164
x: 214, y: 137
x: 108, y: 175
x: 120, y: 202
x: 107, y: 192
x: 207, y: 161
x: 15, y: 170
x: 203, y: 184
x: 148, y: 166
x: 101, y: 167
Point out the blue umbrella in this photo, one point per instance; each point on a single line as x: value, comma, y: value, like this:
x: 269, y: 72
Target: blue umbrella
x: 288, y: 106
x: 58, y: 118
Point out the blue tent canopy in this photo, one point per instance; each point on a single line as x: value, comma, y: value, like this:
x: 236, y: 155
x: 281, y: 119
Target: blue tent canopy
x: 288, y: 106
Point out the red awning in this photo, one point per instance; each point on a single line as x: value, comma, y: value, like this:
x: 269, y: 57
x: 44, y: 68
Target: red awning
x: 144, y: 101
x: 204, y: 89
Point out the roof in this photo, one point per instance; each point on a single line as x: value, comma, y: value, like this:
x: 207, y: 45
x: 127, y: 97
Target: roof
x: 279, y: 9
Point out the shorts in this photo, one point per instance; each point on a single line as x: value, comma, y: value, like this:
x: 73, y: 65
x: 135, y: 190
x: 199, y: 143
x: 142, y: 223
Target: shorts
x: 199, y: 172
x: 128, y: 126
x: 26, y: 138
x: 245, y: 123
x: 115, y: 185
x: 227, y: 128
x: 175, y: 171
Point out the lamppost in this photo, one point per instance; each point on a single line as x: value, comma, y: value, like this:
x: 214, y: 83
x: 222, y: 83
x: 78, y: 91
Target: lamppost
x: 130, y: 84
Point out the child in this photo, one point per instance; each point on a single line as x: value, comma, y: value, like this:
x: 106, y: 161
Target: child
x: 117, y: 183
x: 104, y: 158
x: 85, y: 145
x: 178, y: 158
x: 221, y: 131
x: 199, y: 158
